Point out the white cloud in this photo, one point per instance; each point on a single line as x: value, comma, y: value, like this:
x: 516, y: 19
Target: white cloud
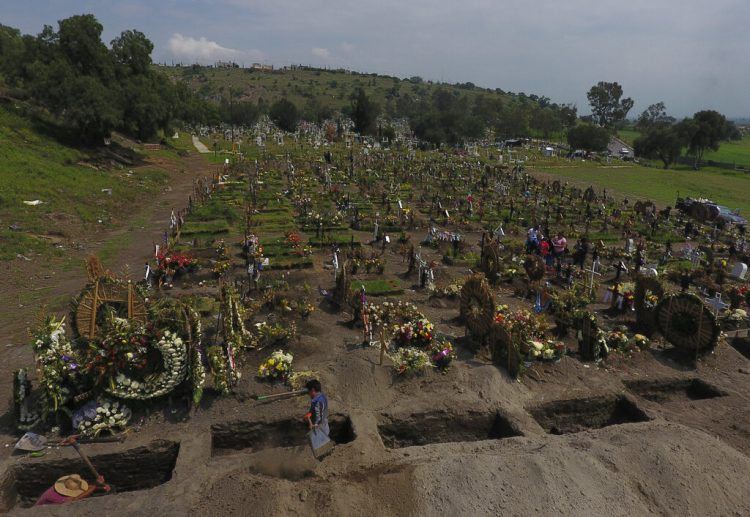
x: 322, y: 53
x: 205, y: 50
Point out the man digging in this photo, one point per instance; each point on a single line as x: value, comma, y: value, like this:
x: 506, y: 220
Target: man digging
x: 317, y: 419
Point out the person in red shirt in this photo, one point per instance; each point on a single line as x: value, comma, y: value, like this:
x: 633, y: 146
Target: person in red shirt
x: 544, y: 251
x: 68, y: 489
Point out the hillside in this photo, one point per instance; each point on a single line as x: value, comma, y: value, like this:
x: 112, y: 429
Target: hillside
x: 329, y: 87
x: 72, y: 186
x: 463, y: 110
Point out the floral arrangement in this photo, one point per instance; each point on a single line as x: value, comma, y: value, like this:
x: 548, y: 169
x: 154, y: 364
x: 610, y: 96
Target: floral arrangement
x: 618, y: 339
x: 174, y: 354
x: 221, y: 267
x: 277, y: 367
x: 389, y: 315
x: 221, y: 250
x: 272, y: 334
x: 408, y: 360
x: 100, y: 415
x: 221, y: 362
x: 543, y: 350
x: 521, y: 323
x: 56, y: 363
x: 641, y: 341
x: 418, y: 334
x: 305, y: 309
x: 651, y: 300
x: 442, y: 354
x: 168, y: 263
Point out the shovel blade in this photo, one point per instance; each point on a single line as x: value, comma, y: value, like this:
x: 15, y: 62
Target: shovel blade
x: 320, y: 443
x: 31, y: 442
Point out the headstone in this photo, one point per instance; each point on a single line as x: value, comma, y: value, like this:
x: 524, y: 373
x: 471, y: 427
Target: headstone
x: 739, y: 272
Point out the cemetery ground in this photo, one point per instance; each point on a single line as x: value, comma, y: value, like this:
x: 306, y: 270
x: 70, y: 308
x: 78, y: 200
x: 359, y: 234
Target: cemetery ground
x: 640, y: 431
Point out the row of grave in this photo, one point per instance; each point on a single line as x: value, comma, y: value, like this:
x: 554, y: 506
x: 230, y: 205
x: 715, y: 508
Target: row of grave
x: 150, y: 466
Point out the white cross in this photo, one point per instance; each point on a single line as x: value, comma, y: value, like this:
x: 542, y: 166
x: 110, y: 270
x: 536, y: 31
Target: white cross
x: 594, y: 267
x: 716, y: 304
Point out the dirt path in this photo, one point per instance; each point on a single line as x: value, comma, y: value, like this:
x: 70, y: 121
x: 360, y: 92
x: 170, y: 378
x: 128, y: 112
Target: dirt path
x: 27, y: 285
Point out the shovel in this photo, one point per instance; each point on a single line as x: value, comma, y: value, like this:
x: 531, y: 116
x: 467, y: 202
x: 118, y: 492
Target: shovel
x: 320, y: 443
x: 262, y: 398
x: 73, y: 440
x: 31, y: 442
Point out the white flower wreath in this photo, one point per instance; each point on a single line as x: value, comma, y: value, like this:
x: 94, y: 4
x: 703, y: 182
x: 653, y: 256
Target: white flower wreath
x: 174, y: 354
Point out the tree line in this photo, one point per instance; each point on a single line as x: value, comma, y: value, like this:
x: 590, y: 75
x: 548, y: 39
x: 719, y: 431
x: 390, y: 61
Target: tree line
x: 91, y: 89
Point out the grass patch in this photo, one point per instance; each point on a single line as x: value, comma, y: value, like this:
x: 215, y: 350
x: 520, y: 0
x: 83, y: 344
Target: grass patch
x: 204, y: 227
x: 662, y: 186
x: 36, y: 166
x: 378, y: 287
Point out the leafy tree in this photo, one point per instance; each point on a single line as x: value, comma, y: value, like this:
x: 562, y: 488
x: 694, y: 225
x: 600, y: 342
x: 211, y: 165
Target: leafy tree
x: 588, y: 137
x: 132, y: 52
x: 704, y: 132
x: 607, y: 105
x: 284, y: 114
x: 653, y: 115
x: 662, y: 141
x: 364, y: 112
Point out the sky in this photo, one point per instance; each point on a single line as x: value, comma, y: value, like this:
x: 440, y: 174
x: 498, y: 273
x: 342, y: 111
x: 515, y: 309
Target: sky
x: 690, y: 54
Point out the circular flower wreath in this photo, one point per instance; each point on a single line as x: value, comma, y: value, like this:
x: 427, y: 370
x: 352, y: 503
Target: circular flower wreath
x: 174, y: 354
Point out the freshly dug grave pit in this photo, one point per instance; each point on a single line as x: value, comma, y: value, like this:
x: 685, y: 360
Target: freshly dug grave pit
x: 232, y: 437
x: 576, y: 415
x: 134, y: 469
x: 674, y: 390
x: 443, y: 427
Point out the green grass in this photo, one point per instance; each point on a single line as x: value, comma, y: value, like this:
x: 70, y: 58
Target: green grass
x: 35, y: 166
x: 732, y: 152
x: 725, y: 187
x: 205, y: 227
x: 378, y: 287
x: 628, y: 135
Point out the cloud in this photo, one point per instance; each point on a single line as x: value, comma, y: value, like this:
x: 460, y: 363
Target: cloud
x: 322, y: 53
x: 206, y: 51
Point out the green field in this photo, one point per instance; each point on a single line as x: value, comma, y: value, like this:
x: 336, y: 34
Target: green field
x: 628, y: 135
x: 722, y: 186
x: 732, y: 152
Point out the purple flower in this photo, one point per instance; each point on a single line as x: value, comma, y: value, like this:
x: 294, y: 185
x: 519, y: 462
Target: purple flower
x: 65, y: 358
x: 73, y: 366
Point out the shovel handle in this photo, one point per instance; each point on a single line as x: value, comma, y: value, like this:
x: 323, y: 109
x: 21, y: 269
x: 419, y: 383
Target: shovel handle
x: 86, y: 460
x: 280, y: 395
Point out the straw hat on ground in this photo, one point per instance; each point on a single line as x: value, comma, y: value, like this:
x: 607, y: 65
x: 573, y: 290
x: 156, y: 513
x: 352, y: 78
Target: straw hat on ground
x: 71, y: 486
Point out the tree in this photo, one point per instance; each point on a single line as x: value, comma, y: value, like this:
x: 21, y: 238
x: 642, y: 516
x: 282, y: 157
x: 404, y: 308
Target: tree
x: 704, y: 132
x: 364, y: 112
x: 662, y: 141
x: 284, y: 114
x: 588, y: 137
x: 607, y: 105
x: 653, y: 115
x: 132, y: 52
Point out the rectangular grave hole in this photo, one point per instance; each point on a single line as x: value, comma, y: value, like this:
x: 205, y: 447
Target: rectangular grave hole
x: 134, y: 469
x: 443, y: 427
x: 574, y: 416
x: 672, y: 390
x: 241, y: 435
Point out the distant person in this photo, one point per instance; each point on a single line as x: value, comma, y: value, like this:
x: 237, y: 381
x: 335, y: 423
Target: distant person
x: 317, y: 416
x: 70, y: 488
